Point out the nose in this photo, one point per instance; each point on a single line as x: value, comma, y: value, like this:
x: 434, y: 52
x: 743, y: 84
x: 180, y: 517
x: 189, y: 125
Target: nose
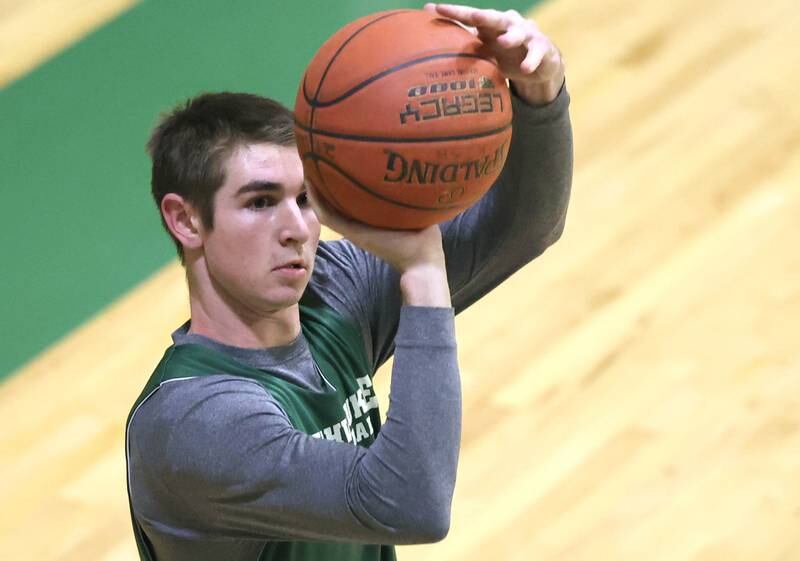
x: 293, y: 227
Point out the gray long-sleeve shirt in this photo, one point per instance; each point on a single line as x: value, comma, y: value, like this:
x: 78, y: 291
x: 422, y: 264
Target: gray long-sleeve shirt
x: 215, y: 466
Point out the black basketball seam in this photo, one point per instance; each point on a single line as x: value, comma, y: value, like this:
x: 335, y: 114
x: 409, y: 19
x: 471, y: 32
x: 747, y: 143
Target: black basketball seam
x: 316, y: 103
x: 340, y: 49
x: 317, y: 158
x: 327, y: 193
x: 325, y: 73
x: 400, y: 140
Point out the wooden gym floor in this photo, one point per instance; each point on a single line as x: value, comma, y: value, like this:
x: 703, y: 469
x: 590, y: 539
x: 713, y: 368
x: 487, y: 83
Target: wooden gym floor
x: 632, y: 395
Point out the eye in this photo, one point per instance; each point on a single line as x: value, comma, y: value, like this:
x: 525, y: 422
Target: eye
x: 259, y: 203
x: 302, y: 199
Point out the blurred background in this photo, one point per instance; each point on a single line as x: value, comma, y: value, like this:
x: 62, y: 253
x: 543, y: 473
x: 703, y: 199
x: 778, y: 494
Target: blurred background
x: 632, y: 394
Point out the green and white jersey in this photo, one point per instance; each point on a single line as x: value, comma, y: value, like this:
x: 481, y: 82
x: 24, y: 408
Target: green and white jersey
x: 345, y: 411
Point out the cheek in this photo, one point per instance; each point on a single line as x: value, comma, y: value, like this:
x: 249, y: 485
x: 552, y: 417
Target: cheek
x: 226, y: 242
x: 232, y: 242
x: 314, y: 229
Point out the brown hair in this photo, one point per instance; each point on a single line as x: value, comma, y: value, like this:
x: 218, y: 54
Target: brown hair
x: 190, y: 146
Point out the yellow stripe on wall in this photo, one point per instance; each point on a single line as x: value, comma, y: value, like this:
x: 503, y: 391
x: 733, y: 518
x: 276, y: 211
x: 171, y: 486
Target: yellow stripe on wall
x: 31, y: 31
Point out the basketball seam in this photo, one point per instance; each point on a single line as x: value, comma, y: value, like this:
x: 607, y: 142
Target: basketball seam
x: 316, y: 103
x: 322, y: 80
x: 323, y: 189
x: 401, y: 140
x: 338, y: 52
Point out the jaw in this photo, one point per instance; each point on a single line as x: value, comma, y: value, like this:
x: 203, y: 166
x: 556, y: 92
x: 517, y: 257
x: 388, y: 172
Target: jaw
x: 254, y: 321
x: 262, y: 311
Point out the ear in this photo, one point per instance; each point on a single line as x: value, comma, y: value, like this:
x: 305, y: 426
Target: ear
x: 182, y: 220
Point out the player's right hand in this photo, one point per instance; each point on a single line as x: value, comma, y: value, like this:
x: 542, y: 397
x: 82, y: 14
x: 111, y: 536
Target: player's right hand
x: 402, y: 249
x: 416, y: 254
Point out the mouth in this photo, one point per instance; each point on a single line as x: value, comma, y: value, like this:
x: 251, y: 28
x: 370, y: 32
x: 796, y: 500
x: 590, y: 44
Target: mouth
x: 296, y: 265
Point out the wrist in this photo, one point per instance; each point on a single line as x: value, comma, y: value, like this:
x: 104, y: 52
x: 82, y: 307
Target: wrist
x: 425, y: 285
x: 538, y: 93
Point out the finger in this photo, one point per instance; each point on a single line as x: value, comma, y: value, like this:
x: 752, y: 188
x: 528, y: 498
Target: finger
x: 433, y: 9
x: 515, y: 36
x: 471, y: 29
x: 485, y: 20
x: 552, y: 63
x: 537, y: 50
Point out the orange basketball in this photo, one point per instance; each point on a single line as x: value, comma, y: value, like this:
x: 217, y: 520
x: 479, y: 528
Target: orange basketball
x: 402, y: 120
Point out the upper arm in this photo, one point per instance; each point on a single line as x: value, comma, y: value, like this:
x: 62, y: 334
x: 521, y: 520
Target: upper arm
x: 524, y: 211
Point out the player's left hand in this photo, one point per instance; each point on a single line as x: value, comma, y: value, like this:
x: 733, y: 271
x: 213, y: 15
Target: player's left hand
x: 524, y: 54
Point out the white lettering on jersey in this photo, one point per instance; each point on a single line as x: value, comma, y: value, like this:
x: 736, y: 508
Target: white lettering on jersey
x: 356, y: 425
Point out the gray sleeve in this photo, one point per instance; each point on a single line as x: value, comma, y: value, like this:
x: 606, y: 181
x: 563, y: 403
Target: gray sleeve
x: 525, y: 211
x: 216, y: 455
x: 521, y: 216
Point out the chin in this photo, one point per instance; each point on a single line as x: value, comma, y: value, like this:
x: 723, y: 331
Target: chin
x: 284, y: 299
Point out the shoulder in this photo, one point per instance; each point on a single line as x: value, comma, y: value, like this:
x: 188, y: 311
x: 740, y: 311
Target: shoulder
x: 190, y: 413
x: 191, y: 439
x: 180, y: 399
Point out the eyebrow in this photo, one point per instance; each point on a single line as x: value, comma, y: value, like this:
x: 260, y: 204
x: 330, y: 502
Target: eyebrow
x: 255, y: 186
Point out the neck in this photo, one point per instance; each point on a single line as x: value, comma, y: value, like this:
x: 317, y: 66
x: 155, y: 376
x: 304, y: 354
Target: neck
x: 225, y: 320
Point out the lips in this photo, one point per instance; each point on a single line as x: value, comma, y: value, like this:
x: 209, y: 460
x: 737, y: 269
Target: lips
x: 296, y: 264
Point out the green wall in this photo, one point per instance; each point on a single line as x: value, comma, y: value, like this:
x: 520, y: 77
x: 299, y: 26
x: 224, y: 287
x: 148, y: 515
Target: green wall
x: 77, y: 226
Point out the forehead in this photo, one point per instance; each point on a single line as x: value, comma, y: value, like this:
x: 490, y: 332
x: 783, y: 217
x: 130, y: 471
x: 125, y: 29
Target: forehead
x: 263, y: 162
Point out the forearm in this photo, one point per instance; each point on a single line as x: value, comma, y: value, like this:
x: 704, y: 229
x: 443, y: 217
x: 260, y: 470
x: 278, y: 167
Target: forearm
x: 533, y: 191
x: 523, y: 213
x: 408, y: 476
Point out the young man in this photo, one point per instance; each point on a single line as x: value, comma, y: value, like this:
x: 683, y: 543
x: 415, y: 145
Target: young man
x: 257, y: 437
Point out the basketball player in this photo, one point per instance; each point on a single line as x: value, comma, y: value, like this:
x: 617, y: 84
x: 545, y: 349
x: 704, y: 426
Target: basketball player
x: 257, y: 437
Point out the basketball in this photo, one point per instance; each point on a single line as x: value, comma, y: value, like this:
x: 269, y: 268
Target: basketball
x: 402, y: 120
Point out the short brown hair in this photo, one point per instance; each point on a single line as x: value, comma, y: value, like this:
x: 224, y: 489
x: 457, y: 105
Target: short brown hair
x: 191, y: 144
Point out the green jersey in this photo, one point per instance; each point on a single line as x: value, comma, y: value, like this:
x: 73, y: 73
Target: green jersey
x: 346, y: 412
